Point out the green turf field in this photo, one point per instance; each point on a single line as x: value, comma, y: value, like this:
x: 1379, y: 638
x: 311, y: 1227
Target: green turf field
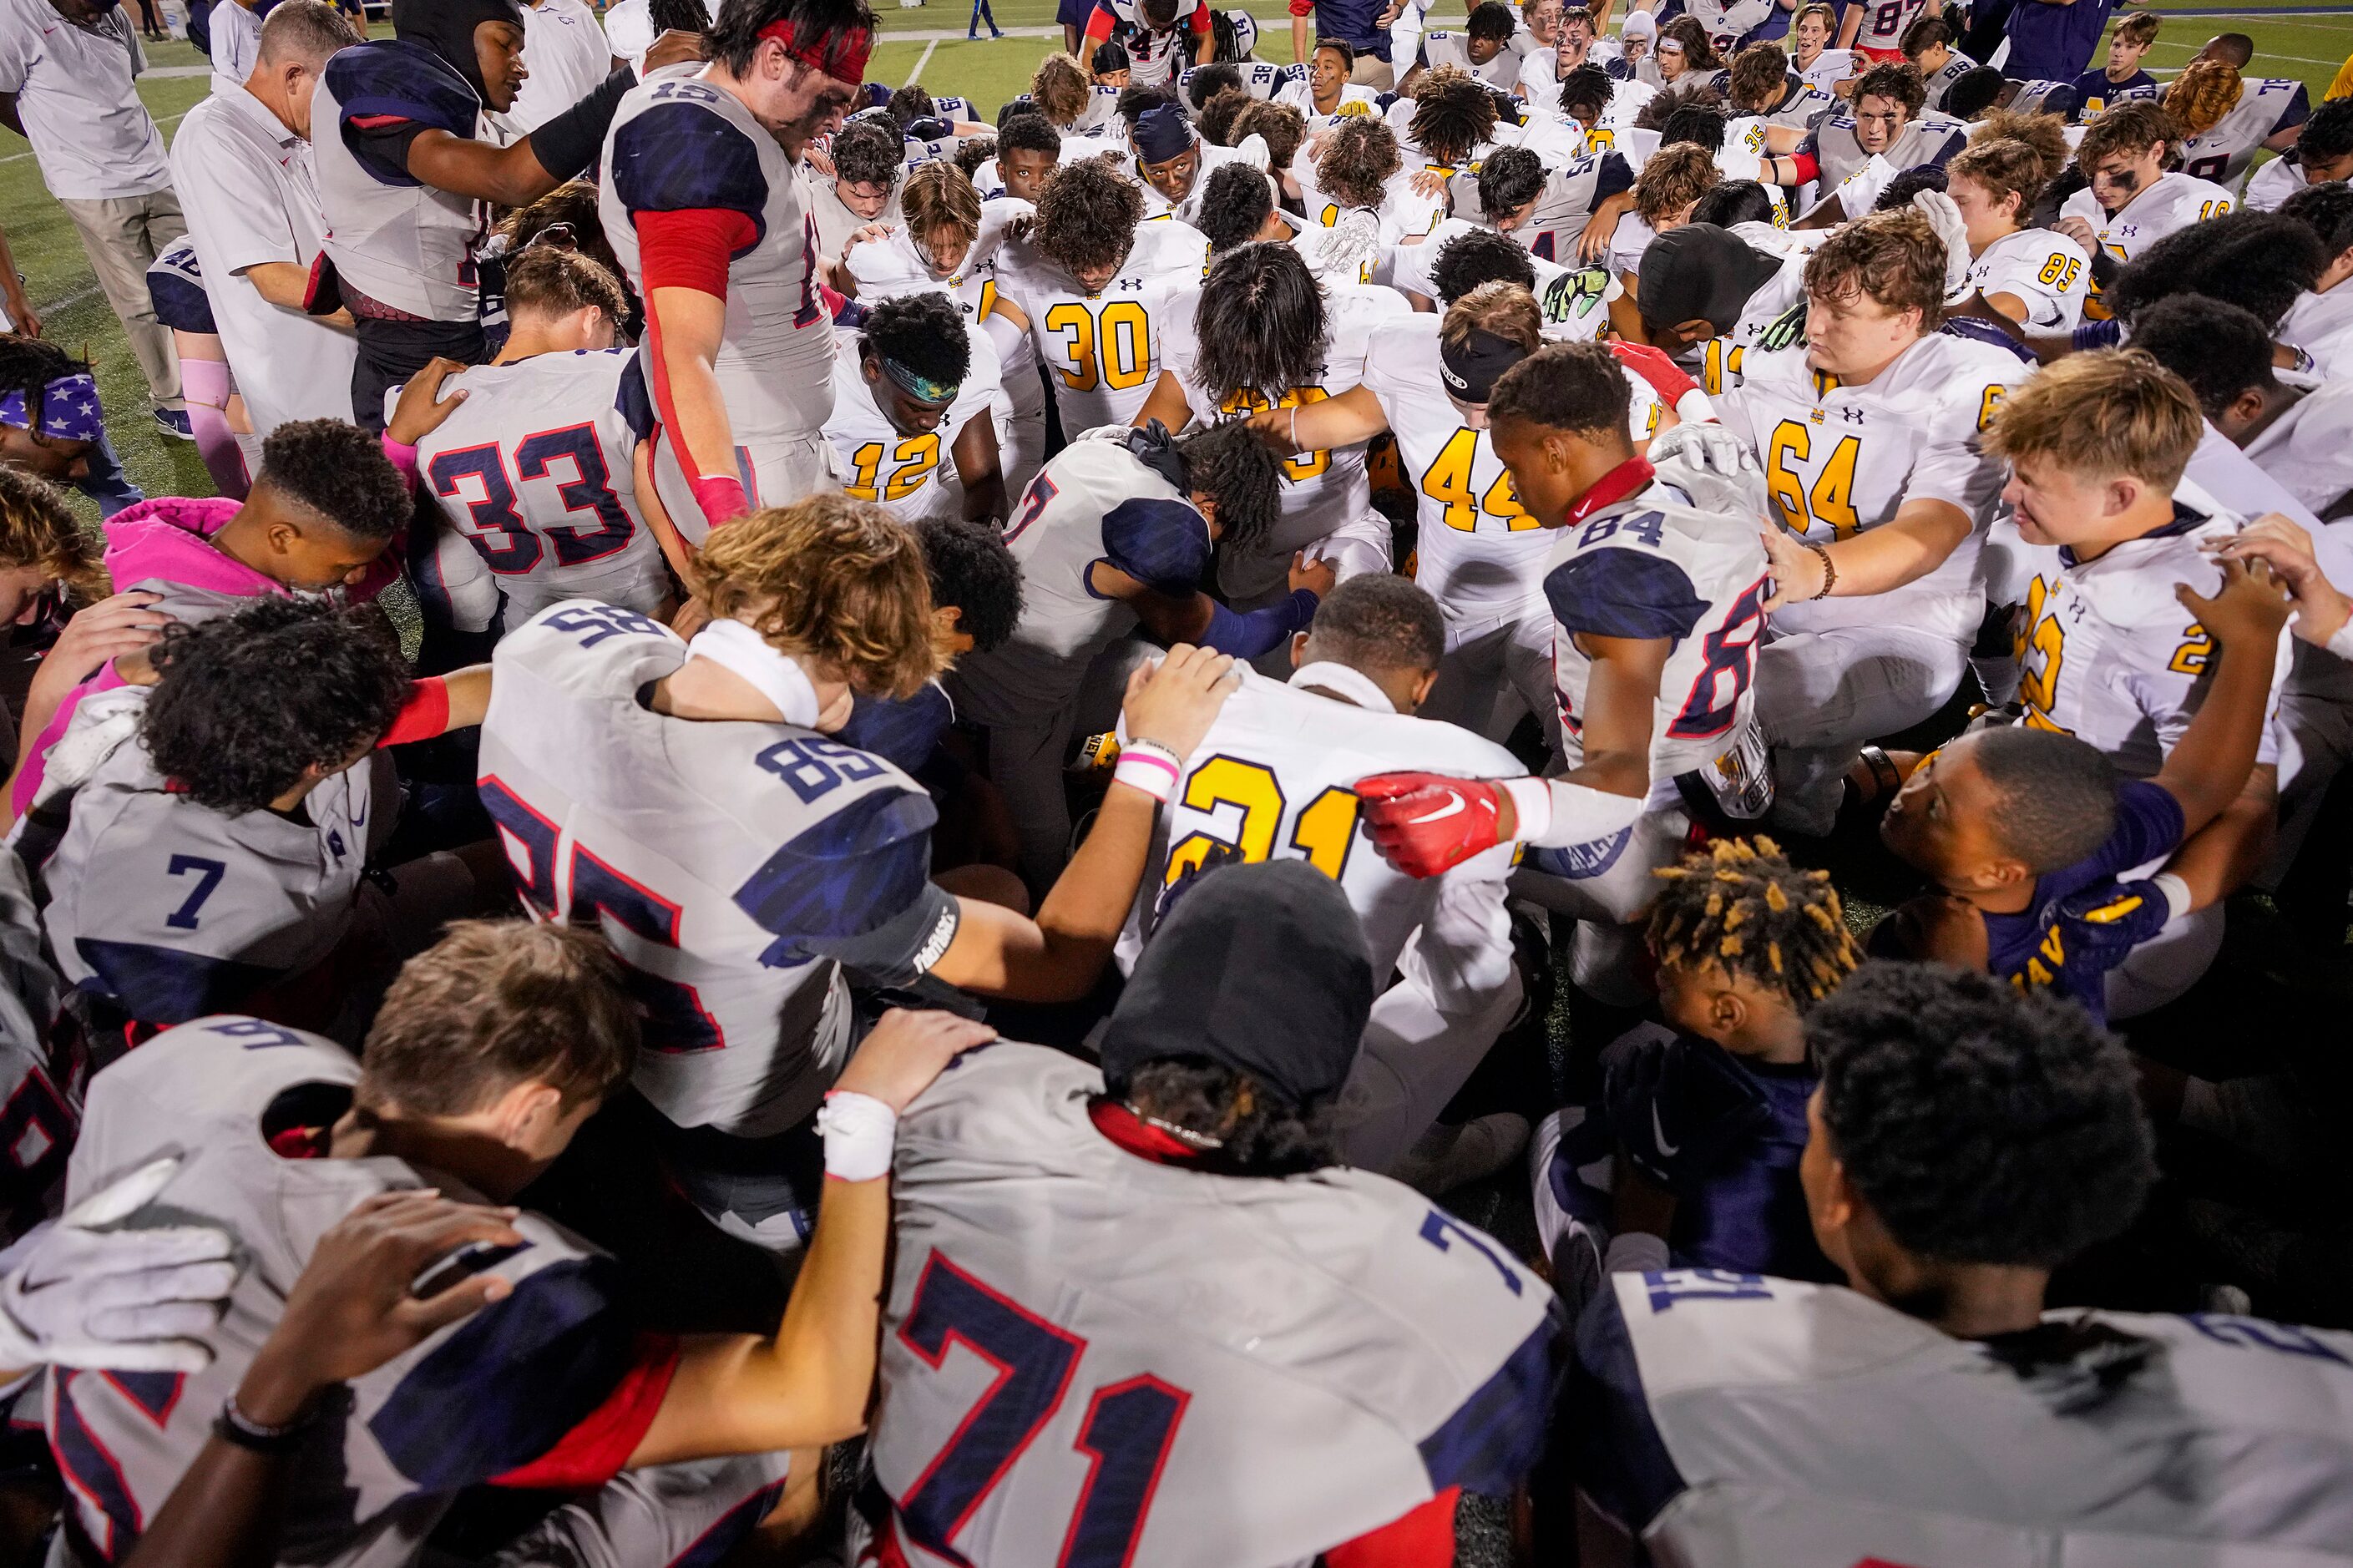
x: 74, y: 313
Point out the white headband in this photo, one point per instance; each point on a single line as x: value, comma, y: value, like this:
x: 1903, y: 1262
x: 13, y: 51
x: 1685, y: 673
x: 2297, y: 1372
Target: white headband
x: 778, y: 677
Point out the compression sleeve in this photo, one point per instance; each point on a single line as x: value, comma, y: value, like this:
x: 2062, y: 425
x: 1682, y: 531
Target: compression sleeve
x: 1806, y: 166
x: 1423, y: 1538
x: 1259, y: 631
x: 425, y: 715
x: 569, y: 144
x: 1100, y: 22
x: 690, y: 249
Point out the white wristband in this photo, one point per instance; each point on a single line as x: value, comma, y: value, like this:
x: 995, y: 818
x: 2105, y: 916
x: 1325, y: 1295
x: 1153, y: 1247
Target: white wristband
x: 1635, y: 1252
x: 858, y: 1132
x: 1149, y: 766
x: 2178, y: 897
x: 1532, y: 805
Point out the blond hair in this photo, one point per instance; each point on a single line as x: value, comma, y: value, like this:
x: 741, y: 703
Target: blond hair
x: 1672, y: 180
x: 2042, y: 133
x: 2140, y: 27
x: 2204, y: 92
x: 37, y: 528
x: 2103, y: 415
x: 1059, y: 87
x: 838, y: 582
x: 2005, y: 168
x: 938, y: 195
x: 1498, y: 306
x: 1739, y: 907
x: 1828, y: 14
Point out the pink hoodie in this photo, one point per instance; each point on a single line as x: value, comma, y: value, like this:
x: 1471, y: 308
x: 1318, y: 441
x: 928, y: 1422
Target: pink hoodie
x: 162, y: 547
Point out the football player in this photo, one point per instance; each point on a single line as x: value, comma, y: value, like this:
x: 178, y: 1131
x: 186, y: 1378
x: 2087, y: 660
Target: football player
x: 1854, y: 154
x: 868, y: 162
x: 214, y: 860
x: 1274, y: 780
x: 1080, y: 276
x: 1871, y: 443
x: 1728, y: 22
x: 540, y: 478
x: 1194, y: 1146
x: 1947, y: 1186
x: 1483, y: 49
x: 1164, y: 36
x: 1258, y: 333
x: 1875, y: 32
x: 1761, y: 84
x: 915, y: 383
x: 702, y: 205
x: 2323, y: 155
x: 2133, y: 201
x: 1114, y: 532
x: 490, y: 1051
x: 739, y: 859
x: 411, y: 157
x: 1170, y: 160
x: 1561, y: 213
x: 1818, y: 64
x: 1325, y: 94
x: 2033, y: 276
x: 2227, y: 120
x: 1929, y: 48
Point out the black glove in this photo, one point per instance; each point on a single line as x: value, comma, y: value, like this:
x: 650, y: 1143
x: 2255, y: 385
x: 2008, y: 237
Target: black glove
x: 1156, y: 448
x: 1679, y: 1106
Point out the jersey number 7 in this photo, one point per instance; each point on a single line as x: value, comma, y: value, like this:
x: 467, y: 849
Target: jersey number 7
x: 1128, y: 1430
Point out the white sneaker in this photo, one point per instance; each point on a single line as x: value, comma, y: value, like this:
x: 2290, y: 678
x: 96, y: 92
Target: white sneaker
x: 1445, y: 1158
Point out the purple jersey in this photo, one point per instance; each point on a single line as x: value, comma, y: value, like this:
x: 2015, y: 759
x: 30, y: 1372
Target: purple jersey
x: 2082, y: 921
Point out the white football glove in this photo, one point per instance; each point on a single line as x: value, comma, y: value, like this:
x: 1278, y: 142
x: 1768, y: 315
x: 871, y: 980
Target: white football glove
x: 1860, y: 192
x: 75, y: 1293
x: 1945, y: 217
x: 1703, y: 446
x: 1739, y: 164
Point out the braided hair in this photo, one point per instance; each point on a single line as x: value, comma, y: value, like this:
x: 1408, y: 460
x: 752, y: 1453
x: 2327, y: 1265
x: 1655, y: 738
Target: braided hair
x: 29, y: 366
x: 1739, y: 905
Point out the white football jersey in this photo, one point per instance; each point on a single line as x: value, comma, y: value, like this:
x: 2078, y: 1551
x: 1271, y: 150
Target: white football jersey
x: 1479, y: 551
x: 1830, y: 67
x: 1678, y: 559
x: 678, y: 143
x: 1448, y: 49
x: 2308, y: 447
x: 2272, y: 185
x: 2226, y: 150
x: 1406, y: 266
x: 2175, y: 201
x: 1321, y: 1355
x: 1571, y: 191
x: 1322, y: 490
x: 2104, y: 651
x: 2045, y: 268
x: 169, y: 910
x: 1762, y: 1420
x: 474, y: 1400
x: 1728, y: 21
x: 913, y: 476
x: 1354, y: 102
x: 729, y: 864
x: 1838, y: 460
x: 1930, y: 139
x: 1095, y: 502
x: 1261, y: 79
x: 1101, y: 113
x: 2322, y: 326
x: 1275, y: 779
x: 1099, y: 346
x: 1940, y: 82
x: 532, y: 475
x: 1883, y: 24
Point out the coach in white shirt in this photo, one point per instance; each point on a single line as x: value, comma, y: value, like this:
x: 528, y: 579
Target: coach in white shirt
x: 242, y: 161
x: 66, y: 85
x: 564, y: 51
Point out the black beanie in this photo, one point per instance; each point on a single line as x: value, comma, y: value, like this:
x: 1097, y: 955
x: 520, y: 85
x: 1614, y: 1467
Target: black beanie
x: 446, y: 28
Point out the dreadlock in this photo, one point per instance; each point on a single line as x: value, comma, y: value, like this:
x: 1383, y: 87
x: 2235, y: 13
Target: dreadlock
x: 1740, y: 906
x: 1452, y: 115
x: 1261, y: 325
x: 29, y: 366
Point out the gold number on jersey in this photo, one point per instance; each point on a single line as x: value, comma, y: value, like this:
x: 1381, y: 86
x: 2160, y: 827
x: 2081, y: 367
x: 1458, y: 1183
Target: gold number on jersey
x: 1720, y: 365
x: 1305, y: 466
x: 2060, y: 272
x: 1448, y: 483
x: 2196, y: 650
x: 1990, y: 405
x: 2041, y: 646
x: 915, y: 458
x: 1600, y: 140
x: 1123, y: 334
x: 2212, y: 209
x: 1831, y: 501
x: 1325, y: 831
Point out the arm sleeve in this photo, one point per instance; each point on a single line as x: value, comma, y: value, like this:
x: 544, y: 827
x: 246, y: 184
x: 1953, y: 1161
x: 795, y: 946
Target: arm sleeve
x: 1100, y: 22
x: 1623, y: 593
x: 1423, y: 1538
x: 692, y: 250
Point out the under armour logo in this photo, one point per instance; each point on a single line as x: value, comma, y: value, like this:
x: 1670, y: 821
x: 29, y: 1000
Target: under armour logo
x: 1851, y: 415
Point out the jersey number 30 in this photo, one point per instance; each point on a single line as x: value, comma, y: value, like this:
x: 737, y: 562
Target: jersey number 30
x: 1129, y: 1426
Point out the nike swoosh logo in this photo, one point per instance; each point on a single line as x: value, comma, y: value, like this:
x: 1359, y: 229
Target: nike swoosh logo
x: 1453, y: 807
x: 1659, y: 1134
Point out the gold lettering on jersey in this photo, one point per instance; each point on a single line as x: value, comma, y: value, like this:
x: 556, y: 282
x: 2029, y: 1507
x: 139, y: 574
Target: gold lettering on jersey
x: 1448, y: 483
x: 2041, y: 648
x: 915, y: 458
x: 1323, y: 832
x: 1109, y: 345
x: 1831, y: 503
x: 1306, y: 465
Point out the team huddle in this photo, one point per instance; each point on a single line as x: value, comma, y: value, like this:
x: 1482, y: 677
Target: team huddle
x: 873, y: 832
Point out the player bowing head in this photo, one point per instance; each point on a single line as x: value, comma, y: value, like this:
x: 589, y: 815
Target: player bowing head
x: 1483, y: 334
x: 1873, y: 290
x: 44, y: 553
x: 796, y: 64
x: 1087, y: 216
x: 1261, y: 325
x: 913, y: 355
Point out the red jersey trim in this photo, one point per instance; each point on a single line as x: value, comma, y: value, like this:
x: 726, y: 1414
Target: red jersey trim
x: 594, y: 1452
x: 1422, y: 1539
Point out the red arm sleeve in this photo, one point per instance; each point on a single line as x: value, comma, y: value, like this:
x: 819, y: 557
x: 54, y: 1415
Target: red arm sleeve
x: 691, y: 249
x: 425, y: 715
x: 1199, y: 21
x: 1099, y: 24
x: 1807, y: 165
x: 1302, y: 7
x: 1422, y: 1538
x: 593, y: 1452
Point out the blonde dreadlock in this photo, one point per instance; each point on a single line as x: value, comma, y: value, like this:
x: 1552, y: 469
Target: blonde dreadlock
x: 1739, y: 905
x: 2204, y: 92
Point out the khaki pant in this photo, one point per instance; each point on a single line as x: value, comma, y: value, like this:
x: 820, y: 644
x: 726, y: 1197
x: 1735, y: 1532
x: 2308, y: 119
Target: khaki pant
x: 1377, y: 74
x: 121, y: 235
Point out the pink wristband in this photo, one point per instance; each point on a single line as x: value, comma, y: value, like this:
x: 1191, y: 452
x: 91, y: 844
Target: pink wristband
x: 403, y: 458
x: 1153, y: 769
x: 721, y: 498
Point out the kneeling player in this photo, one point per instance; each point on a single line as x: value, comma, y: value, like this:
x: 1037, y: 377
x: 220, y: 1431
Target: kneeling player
x: 912, y: 380
x: 687, y: 799
x: 1355, y: 1360
x: 1932, y: 1411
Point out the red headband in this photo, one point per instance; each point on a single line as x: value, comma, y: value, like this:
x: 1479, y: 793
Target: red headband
x: 839, y: 54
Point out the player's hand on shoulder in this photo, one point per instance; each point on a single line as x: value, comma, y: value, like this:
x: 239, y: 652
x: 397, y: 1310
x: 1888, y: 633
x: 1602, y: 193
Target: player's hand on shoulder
x: 905, y: 1051
x: 354, y: 1306
x: 1174, y: 701
x: 675, y: 47
x: 2250, y: 606
x: 873, y: 231
x: 820, y: 159
x: 2079, y: 231
x: 1799, y: 571
x: 114, y: 629
x: 1427, y: 824
x: 1703, y: 446
x: 421, y: 408
x: 1316, y: 576
x: 691, y: 616
x: 2321, y: 609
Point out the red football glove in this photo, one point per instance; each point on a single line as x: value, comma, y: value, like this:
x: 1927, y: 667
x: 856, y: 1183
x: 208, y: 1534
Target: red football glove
x: 1424, y: 824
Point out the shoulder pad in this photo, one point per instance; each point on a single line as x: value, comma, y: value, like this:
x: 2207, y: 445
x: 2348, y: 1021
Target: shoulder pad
x: 849, y: 872
x: 680, y: 157
x: 1161, y: 544
x: 1623, y: 593
x: 404, y: 80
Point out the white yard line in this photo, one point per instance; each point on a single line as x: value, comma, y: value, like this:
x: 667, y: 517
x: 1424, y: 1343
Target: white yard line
x: 920, y: 61
x: 167, y: 120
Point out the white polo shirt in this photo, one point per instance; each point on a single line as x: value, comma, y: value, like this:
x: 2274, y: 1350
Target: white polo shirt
x: 629, y: 31
x: 247, y: 190
x: 91, y: 136
x: 565, y: 53
x: 236, y: 33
